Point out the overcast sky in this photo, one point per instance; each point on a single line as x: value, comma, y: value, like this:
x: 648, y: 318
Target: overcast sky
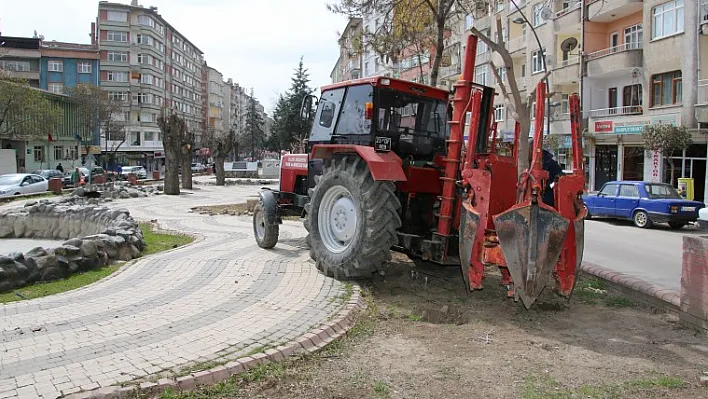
x: 257, y: 43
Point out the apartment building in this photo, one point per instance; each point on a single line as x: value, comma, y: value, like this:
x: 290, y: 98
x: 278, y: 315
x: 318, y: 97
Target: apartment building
x: 634, y: 63
x: 215, y: 95
x: 52, y: 67
x: 149, y: 65
x: 350, y: 50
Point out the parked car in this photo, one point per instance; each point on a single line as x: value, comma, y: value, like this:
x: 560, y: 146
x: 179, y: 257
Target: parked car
x: 138, y: 170
x: 198, y: 167
x: 22, y: 183
x: 49, y: 173
x: 644, y: 203
x: 703, y: 218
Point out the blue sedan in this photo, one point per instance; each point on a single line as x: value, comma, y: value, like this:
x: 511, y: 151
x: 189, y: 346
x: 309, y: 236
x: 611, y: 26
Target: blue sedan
x: 642, y: 202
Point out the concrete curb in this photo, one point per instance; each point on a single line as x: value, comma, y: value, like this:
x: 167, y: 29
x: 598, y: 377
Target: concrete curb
x: 311, y: 342
x: 653, y: 294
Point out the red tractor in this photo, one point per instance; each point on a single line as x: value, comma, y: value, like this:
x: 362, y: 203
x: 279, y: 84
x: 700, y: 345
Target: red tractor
x: 386, y: 170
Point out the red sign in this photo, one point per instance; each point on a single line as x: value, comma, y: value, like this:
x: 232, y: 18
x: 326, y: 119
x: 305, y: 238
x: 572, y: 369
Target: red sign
x: 295, y: 161
x: 604, y: 127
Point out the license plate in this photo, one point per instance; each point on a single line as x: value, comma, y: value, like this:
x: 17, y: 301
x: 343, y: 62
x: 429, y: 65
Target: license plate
x: 688, y: 208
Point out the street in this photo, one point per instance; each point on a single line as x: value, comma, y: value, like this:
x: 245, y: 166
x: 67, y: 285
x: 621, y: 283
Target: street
x: 651, y: 254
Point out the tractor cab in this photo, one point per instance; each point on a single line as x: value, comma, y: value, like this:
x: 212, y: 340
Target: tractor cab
x: 388, y: 114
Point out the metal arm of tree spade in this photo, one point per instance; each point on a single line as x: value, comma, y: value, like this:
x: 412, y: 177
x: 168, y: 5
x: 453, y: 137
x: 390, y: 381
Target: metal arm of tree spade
x: 543, y: 59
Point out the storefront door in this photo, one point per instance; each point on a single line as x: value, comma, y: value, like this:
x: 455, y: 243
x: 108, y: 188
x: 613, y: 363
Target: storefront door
x: 633, y: 163
x: 605, y: 164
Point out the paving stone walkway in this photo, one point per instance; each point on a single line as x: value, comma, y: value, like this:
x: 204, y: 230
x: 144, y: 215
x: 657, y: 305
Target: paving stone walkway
x: 215, y: 300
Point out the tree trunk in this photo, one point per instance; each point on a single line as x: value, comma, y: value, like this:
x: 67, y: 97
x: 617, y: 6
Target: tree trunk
x: 220, y: 173
x: 172, y: 160
x: 187, y: 170
x: 439, y: 47
x: 673, y: 173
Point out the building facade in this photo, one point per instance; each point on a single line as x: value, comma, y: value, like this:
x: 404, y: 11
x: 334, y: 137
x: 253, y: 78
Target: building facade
x: 153, y: 69
x: 634, y: 63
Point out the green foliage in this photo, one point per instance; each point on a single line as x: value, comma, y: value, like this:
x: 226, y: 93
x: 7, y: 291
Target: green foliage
x: 253, y: 137
x: 666, y: 139
x: 25, y: 111
x: 289, y: 128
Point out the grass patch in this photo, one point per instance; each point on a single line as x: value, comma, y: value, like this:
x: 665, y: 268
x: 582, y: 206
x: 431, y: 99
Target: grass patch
x: 380, y: 388
x: 619, y: 302
x: 54, y: 287
x: 546, y: 387
x: 158, y: 242
x: 590, y: 291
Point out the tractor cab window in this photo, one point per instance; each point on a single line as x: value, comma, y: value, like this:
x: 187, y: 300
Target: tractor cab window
x: 352, y: 118
x: 402, y: 113
x: 325, y: 117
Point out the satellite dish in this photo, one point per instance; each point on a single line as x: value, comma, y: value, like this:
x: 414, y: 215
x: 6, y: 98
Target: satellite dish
x: 569, y: 44
x: 546, y: 13
x: 636, y: 73
x: 480, y: 9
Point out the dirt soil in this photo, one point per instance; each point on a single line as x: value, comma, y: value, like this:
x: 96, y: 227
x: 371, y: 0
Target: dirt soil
x: 228, y: 209
x: 424, y: 337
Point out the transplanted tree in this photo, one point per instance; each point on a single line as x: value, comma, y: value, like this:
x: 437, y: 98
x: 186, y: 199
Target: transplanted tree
x: 25, y: 113
x: 186, y: 148
x: 254, y: 136
x: 97, y: 110
x: 667, y: 140
x: 221, y: 145
x: 174, y: 131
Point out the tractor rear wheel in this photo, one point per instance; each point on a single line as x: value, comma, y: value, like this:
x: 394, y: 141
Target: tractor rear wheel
x: 351, y: 220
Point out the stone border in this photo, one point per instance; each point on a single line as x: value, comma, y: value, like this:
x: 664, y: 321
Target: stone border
x: 311, y: 342
x: 653, y: 294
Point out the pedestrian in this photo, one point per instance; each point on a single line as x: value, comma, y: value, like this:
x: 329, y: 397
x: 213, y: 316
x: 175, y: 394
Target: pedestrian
x: 76, y: 177
x: 554, y: 171
x: 60, y: 168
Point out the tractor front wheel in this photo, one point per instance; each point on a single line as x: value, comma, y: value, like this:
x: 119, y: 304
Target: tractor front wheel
x: 351, y: 220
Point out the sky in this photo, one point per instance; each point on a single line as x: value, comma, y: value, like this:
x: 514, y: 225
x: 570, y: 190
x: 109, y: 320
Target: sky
x: 257, y: 43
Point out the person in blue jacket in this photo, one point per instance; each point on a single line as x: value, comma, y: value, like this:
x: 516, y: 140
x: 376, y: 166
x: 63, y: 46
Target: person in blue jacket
x: 554, y: 171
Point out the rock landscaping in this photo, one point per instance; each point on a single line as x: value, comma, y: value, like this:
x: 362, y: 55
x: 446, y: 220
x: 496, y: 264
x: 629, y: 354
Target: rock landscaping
x: 119, y: 190
x: 96, y: 236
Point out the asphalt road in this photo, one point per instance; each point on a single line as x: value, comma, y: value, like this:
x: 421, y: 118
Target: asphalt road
x: 651, y: 254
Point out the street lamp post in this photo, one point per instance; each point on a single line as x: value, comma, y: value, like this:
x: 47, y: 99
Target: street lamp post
x: 522, y: 20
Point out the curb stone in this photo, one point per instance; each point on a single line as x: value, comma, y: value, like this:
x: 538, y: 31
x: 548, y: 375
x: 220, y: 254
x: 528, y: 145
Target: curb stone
x: 310, y: 342
x: 652, y: 293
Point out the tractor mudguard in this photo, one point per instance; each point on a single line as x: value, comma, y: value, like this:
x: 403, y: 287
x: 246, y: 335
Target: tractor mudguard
x: 269, y: 201
x: 384, y: 166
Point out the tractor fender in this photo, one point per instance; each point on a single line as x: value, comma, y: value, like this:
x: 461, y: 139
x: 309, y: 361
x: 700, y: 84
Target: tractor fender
x: 270, y: 207
x: 384, y: 166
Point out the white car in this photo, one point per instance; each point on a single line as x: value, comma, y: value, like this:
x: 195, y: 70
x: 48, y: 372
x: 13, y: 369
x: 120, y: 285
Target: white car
x: 198, y: 167
x: 22, y: 183
x: 703, y: 218
x: 139, y: 171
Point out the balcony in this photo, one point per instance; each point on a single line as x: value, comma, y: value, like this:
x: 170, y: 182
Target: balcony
x: 611, y: 10
x: 615, y: 111
x: 516, y: 44
x: 702, y: 102
x: 452, y: 71
x: 614, y: 59
x: 482, y: 58
x: 567, y: 20
x: 567, y: 72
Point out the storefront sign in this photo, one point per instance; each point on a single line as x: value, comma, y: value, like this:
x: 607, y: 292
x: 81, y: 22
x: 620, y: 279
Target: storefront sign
x: 633, y: 125
x: 158, y: 154
x: 653, y: 166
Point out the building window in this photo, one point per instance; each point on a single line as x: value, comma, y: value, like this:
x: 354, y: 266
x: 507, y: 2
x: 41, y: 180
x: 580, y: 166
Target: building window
x: 482, y: 46
x: 537, y: 19
x: 55, y: 66
x: 143, y: 98
x: 58, y: 152
x: 666, y: 88
x: 146, y: 20
x: 145, y: 39
x: 565, y: 104
x: 116, y: 36
x: 499, y: 113
x: 118, y: 96
x: 38, y: 153
x: 149, y: 136
x: 667, y: 19
x: 501, y: 71
x: 146, y: 79
x: 480, y: 75
x: 134, y: 138
x: 632, y: 95
x: 56, y: 87
x: 84, y: 67
x: 117, y: 56
x: 15, y: 66
x: 633, y: 37
x: 537, y: 61
x: 117, y: 16
x: 114, y: 76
